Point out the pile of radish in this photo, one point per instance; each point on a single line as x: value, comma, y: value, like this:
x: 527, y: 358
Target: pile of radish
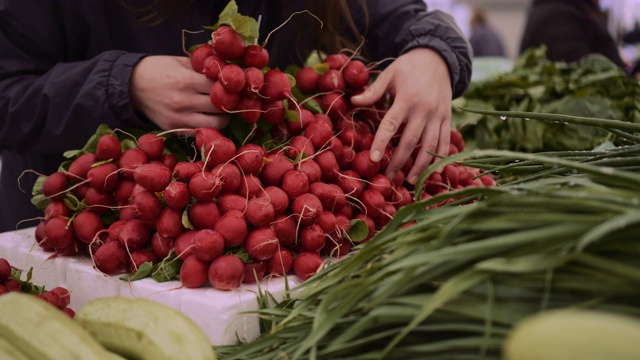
x: 234, y: 211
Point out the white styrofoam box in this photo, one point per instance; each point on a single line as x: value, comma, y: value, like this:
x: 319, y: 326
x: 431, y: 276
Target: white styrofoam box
x: 225, y: 316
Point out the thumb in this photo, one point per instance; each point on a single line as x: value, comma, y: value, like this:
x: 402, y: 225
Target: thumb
x: 374, y: 92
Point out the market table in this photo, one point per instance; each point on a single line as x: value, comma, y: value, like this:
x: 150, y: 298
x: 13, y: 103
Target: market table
x: 219, y: 313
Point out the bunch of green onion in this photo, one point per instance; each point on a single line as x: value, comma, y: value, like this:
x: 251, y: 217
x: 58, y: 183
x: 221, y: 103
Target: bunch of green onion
x: 451, y: 282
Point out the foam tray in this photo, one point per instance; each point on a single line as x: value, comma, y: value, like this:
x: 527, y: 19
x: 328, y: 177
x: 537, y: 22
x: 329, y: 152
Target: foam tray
x: 221, y: 314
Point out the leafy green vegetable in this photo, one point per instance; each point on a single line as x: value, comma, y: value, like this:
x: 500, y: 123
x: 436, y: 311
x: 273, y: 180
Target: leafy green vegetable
x: 246, y: 26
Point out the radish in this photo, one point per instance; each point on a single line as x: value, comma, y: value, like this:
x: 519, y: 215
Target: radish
x: 222, y: 98
x: 356, y: 74
x: 212, y: 66
x: 81, y: 165
x: 229, y: 177
x: 99, y: 202
x: 306, y: 208
x: 226, y: 272
x: 64, y: 296
x: 312, y: 238
x: 161, y: 246
x: 295, y: 183
x: 204, y: 186
x: 198, y: 55
x: 328, y: 164
x: 333, y: 104
x: 124, y: 213
x: 363, y: 165
x: 232, y: 226
x: 55, y: 185
x: 110, y: 258
x: 57, y: 208
x: 277, y: 197
x: 122, y: 192
x: 141, y: 256
x: 336, y: 61
x: 299, y: 148
x: 383, y: 184
x: 280, y: 263
x: 387, y: 213
x: 337, y: 248
x: 319, y: 132
x: 152, y: 145
x: 401, y: 197
x: 176, y: 195
x: 184, y: 170
x: 457, y: 139
x: 307, y: 264
x: 275, y: 166
x: 208, y: 244
x: 183, y: 244
x: 260, y: 212
x: 232, y: 77
x: 58, y: 232
x: 296, y: 126
x: 80, y: 189
x: 373, y: 202
x: 255, y: 56
x: 147, y: 206
x: 130, y: 160
x: 350, y: 182
x: 228, y: 202
x: 86, y: 225
x: 203, y: 214
x: 273, y: 111
x: 227, y: 43
x: 276, y: 85
x: 254, y: 80
x: 346, y: 158
x: 113, y: 230
x: 332, y: 80
x: 108, y: 147
x: 285, y: 228
x: 250, y: 186
x: 330, y: 195
x: 250, y: 158
x: 262, y: 243
x: 327, y: 221
x: 169, y: 222
x: 307, y: 79
x: 311, y: 168
x: 153, y: 176
x: 336, y: 147
x: 254, y: 272
x: 194, y: 272
x: 104, y: 177
x: 218, y: 151
x: 135, y: 234
x: 249, y: 108
x: 450, y: 175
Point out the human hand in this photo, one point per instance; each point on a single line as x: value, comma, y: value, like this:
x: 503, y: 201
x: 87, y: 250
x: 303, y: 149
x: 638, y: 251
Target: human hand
x: 172, y: 95
x: 420, y: 85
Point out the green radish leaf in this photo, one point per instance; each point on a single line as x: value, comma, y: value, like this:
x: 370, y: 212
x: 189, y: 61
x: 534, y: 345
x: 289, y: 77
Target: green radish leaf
x: 321, y: 68
x: 37, y: 186
x: 358, y: 230
x: 72, y: 202
x: 185, y: 219
x: 40, y: 201
x: 143, y: 271
x: 290, y: 114
x: 246, y: 26
x: 168, y: 269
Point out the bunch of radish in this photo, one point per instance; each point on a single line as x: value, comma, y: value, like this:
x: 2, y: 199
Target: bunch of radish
x: 9, y: 282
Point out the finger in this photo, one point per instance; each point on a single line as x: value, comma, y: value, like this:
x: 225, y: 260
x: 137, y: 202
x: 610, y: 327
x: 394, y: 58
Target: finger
x: 374, y: 92
x: 200, y: 84
x: 388, y: 127
x: 202, y: 103
x: 430, y: 142
x: 411, y: 137
x: 206, y: 120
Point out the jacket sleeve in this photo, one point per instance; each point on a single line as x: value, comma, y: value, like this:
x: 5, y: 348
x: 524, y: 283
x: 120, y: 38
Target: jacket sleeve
x: 51, y: 98
x: 395, y: 27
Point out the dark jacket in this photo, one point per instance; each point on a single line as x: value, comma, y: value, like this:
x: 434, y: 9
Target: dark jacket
x: 65, y: 67
x: 570, y: 29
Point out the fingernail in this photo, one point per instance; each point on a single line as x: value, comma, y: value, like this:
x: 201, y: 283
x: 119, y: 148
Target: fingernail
x: 413, y: 180
x: 376, y: 156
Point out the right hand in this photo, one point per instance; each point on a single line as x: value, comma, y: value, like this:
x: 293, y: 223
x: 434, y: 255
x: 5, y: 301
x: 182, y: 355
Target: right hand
x: 170, y: 93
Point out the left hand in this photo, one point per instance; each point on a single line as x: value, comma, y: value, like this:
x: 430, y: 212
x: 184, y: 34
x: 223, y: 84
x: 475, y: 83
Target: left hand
x: 420, y: 85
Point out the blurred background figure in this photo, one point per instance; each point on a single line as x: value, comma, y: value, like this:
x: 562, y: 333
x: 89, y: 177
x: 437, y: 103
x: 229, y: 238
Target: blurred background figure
x: 484, y: 40
x: 570, y: 29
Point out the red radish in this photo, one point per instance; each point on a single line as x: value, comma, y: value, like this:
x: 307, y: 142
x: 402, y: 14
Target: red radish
x: 295, y: 183
x: 337, y: 248
x: 212, y: 66
x: 152, y: 145
x: 110, y: 258
x: 295, y: 126
x: 262, y: 243
x: 255, y: 56
x: 222, y: 98
x: 55, y: 185
x: 198, y: 55
x: 285, y: 228
x: 55, y: 209
x: 398, y: 179
x: 254, y: 271
x: 433, y: 184
x: 203, y: 214
x: 125, y: 213
x: 229, y: 176
x: 299, y: 148
x: 228, y: 202
x: 277, y: 197
x: 254, y: 80
x: 130, y: 160
x: 327, y: 221
x: 363, y: 165
x: 250, y: 186
x: 275, y: 166
x: 147, y: 206
x: 86, y: 226
x: 260, y: 212
x: 135, y: 234
x: 153, y: 176
x: 319, y: 132
x: 104, y: 177
x: 250, y: 158
x: 331, y: 80
x: 232, y: 77
x: 206, y: 136
x: 41, y: 239
x: 336, y: 61
x: 232, y: 226
x: 383, y: 184
x: 367, y: 141
x: 457, y: 139
x: 373, y: 202
x: 168, y: 160
x: 371, y: 226
x: 306, y: 208
x: 307, y: 264
x: 273, y: 111
x: 80, y: 166
x: 122, y: 192
x: 329, y: 165
x: 204, y: 186
x: 81, y: 189
x: 356, y: 74
x: 141, y: 256
x: 351, y: 138
x: 161, y: 246
x: 336, y: 146
x: 312, y: 238
x: 113, y: 231
x: 389, y: 210
x: 194, y: 272
x: 307, y: 79
x: 350, y: 182
x: 450, y: 175
x: 276, y: 85
x: 208, y: 244
x: 330, y: 195
x: 312, y: 169
x: 401, y: 197
x: 98, y: 202
x: 183, y: 244
x: 64, y: 296
x: 12, y: 285
x: 333, y: 104
x: 488, y: 180
x: 184, y: 170
x: 169, y: 222
x: 227, y: 43
x: 59, y: 233
x: 249, y: 108
x: 176, y: 195
x: 219, y: 151
x: 108, y: 147
x: 280, y: 263
x: 226, y: 272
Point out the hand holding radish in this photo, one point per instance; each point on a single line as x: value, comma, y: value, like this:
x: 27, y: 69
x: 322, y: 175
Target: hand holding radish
x: 420, y: 83
x: 172, y: 95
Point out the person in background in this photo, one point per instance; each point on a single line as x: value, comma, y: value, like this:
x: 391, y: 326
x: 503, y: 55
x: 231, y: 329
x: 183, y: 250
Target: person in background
x: 570, y: 29
x: 69, y: 65
x: 484, y: 40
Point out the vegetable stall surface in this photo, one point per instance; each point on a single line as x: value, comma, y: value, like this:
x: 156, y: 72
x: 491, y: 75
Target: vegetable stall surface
x: 456, y: 281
